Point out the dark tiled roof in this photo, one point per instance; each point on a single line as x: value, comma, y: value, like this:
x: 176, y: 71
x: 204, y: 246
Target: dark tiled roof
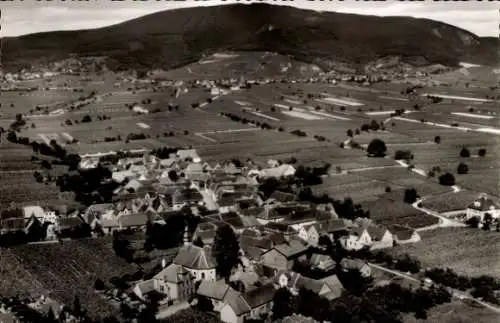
x: 14, y: 224
x: 376, y: 232
x: 133, y: 220
x: 484, y: 203
x: 194, y: 257
x: 291, y: 249
x: 67, y: 223
x: 401, y: 232
x: 173, y: 274
x: 259, y: 296
x: 283, y: 197
x: 215, y: 290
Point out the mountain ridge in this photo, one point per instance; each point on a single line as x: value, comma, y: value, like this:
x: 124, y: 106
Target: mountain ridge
x: 173, y: 38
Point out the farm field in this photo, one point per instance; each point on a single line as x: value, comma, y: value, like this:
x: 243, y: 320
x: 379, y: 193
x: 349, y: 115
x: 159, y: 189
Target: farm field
x: 450, y: 201
x: 35, y: 269
x: 468, y: 251
x: 388, y: 212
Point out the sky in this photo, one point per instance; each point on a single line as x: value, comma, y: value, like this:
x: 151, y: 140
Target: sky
x: 20, y: 17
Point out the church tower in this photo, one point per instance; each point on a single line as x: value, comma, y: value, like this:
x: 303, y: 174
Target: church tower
x: 186, y: 236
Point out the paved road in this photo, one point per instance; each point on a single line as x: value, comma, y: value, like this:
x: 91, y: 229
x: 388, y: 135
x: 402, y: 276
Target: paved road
x: 455, y: 293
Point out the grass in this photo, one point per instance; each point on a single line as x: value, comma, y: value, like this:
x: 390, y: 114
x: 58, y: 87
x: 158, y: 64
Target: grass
x: 388, y: 212
x: 467, y: 251
x: 450, y: 201
x: 63, y: 271
x: 456, y: 312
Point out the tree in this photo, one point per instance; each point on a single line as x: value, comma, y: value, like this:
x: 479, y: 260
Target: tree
x: 403, y: 155
x: 45, y: 164
x: 349, y: 133
x: 447, y: 179
x: 86, y: 118
x: 462, y: 169
x: 481, y: 152
x: 77, y: 307
x: 284, y: 304
x: 473, y: 222
x: 437, y: 139
x: 411, y: 196
x: 99, y: 284
x: 487, y: 221
x: 465, y: 153
x: 376, y: 148
x: 226, y: 250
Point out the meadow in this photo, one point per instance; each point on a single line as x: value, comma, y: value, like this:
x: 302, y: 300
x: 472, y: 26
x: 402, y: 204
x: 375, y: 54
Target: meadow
x: 468, y: 251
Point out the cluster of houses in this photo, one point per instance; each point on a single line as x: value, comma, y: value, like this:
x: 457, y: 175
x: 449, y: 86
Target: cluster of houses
x: 274, y: 233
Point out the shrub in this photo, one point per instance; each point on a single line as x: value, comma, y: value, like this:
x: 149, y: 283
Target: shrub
x: 462, y: 169
x: 437, y: 139
x: 86, y: 118
x: 403, y: 155
x: 481, y: 152
x: 464, y: 153
x: 447, y: 179
x: 349, y: 133
x: 376, y: 148
x: 411, y: 196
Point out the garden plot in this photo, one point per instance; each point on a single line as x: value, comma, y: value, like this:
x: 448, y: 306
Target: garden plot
x: 450, y: 201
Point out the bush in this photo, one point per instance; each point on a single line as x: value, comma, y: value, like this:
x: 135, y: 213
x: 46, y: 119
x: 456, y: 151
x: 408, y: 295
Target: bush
x: 411, y: 196
x: 86, y: 118
x: 465, y: 153
x: 376, y: 148
x: 437, y: 139
x: 481, y: 152
x: 403, y: 155
x: 462, y: 169
x: 99, y: 284
x: 447, y: 179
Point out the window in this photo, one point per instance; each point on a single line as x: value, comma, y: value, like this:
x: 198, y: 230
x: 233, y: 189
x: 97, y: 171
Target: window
x: 202, y: 275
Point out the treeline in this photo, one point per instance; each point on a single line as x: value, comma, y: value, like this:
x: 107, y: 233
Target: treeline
x: 237, y: 118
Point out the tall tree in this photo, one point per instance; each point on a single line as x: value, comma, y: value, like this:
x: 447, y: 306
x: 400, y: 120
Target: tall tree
x: 225, y: 250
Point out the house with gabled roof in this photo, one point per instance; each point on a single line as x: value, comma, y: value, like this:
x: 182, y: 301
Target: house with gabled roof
x: 252, y: 304
x: 189, y: 154
x: 329, y: 288
x: 380, y: 236
x: 402, y: 234
x: 283, y: 256
x: 358, y: 238
x: 356, y: 264
x: 483, y: 205
x: 322, y: 262
x: 218, y: 292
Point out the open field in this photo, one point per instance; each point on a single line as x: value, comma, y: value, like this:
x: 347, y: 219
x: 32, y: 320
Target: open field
x: 468, y: 251
x: 37, y: 269
x: 450, y: 201
x: 456, y: 312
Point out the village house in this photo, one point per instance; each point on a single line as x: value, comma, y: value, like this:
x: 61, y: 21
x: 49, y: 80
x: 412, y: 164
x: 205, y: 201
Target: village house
x: 374, y: 237
x: 189, y: 154
x: 124, y: 222
x: 322, y: 262
x: 380, y: 237
x: 329, y: 288
x: 44, y: 215
x: 253, y: 304
x: 283, y: 256
x: 281, y: 171
x: 482, y: 206
x: 355, y: 264
x: 217, y: 292
x: 402, y: 234
x: 205, y: 231
x: 186, y: 197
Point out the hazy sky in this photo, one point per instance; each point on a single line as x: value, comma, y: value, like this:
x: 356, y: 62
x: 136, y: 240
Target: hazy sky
x: 29, y: 16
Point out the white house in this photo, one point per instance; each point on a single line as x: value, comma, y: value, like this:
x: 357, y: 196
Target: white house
x: 284, y: 170
x: 43, y: 215
x: 482, y: 206
x: 139, y: 109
